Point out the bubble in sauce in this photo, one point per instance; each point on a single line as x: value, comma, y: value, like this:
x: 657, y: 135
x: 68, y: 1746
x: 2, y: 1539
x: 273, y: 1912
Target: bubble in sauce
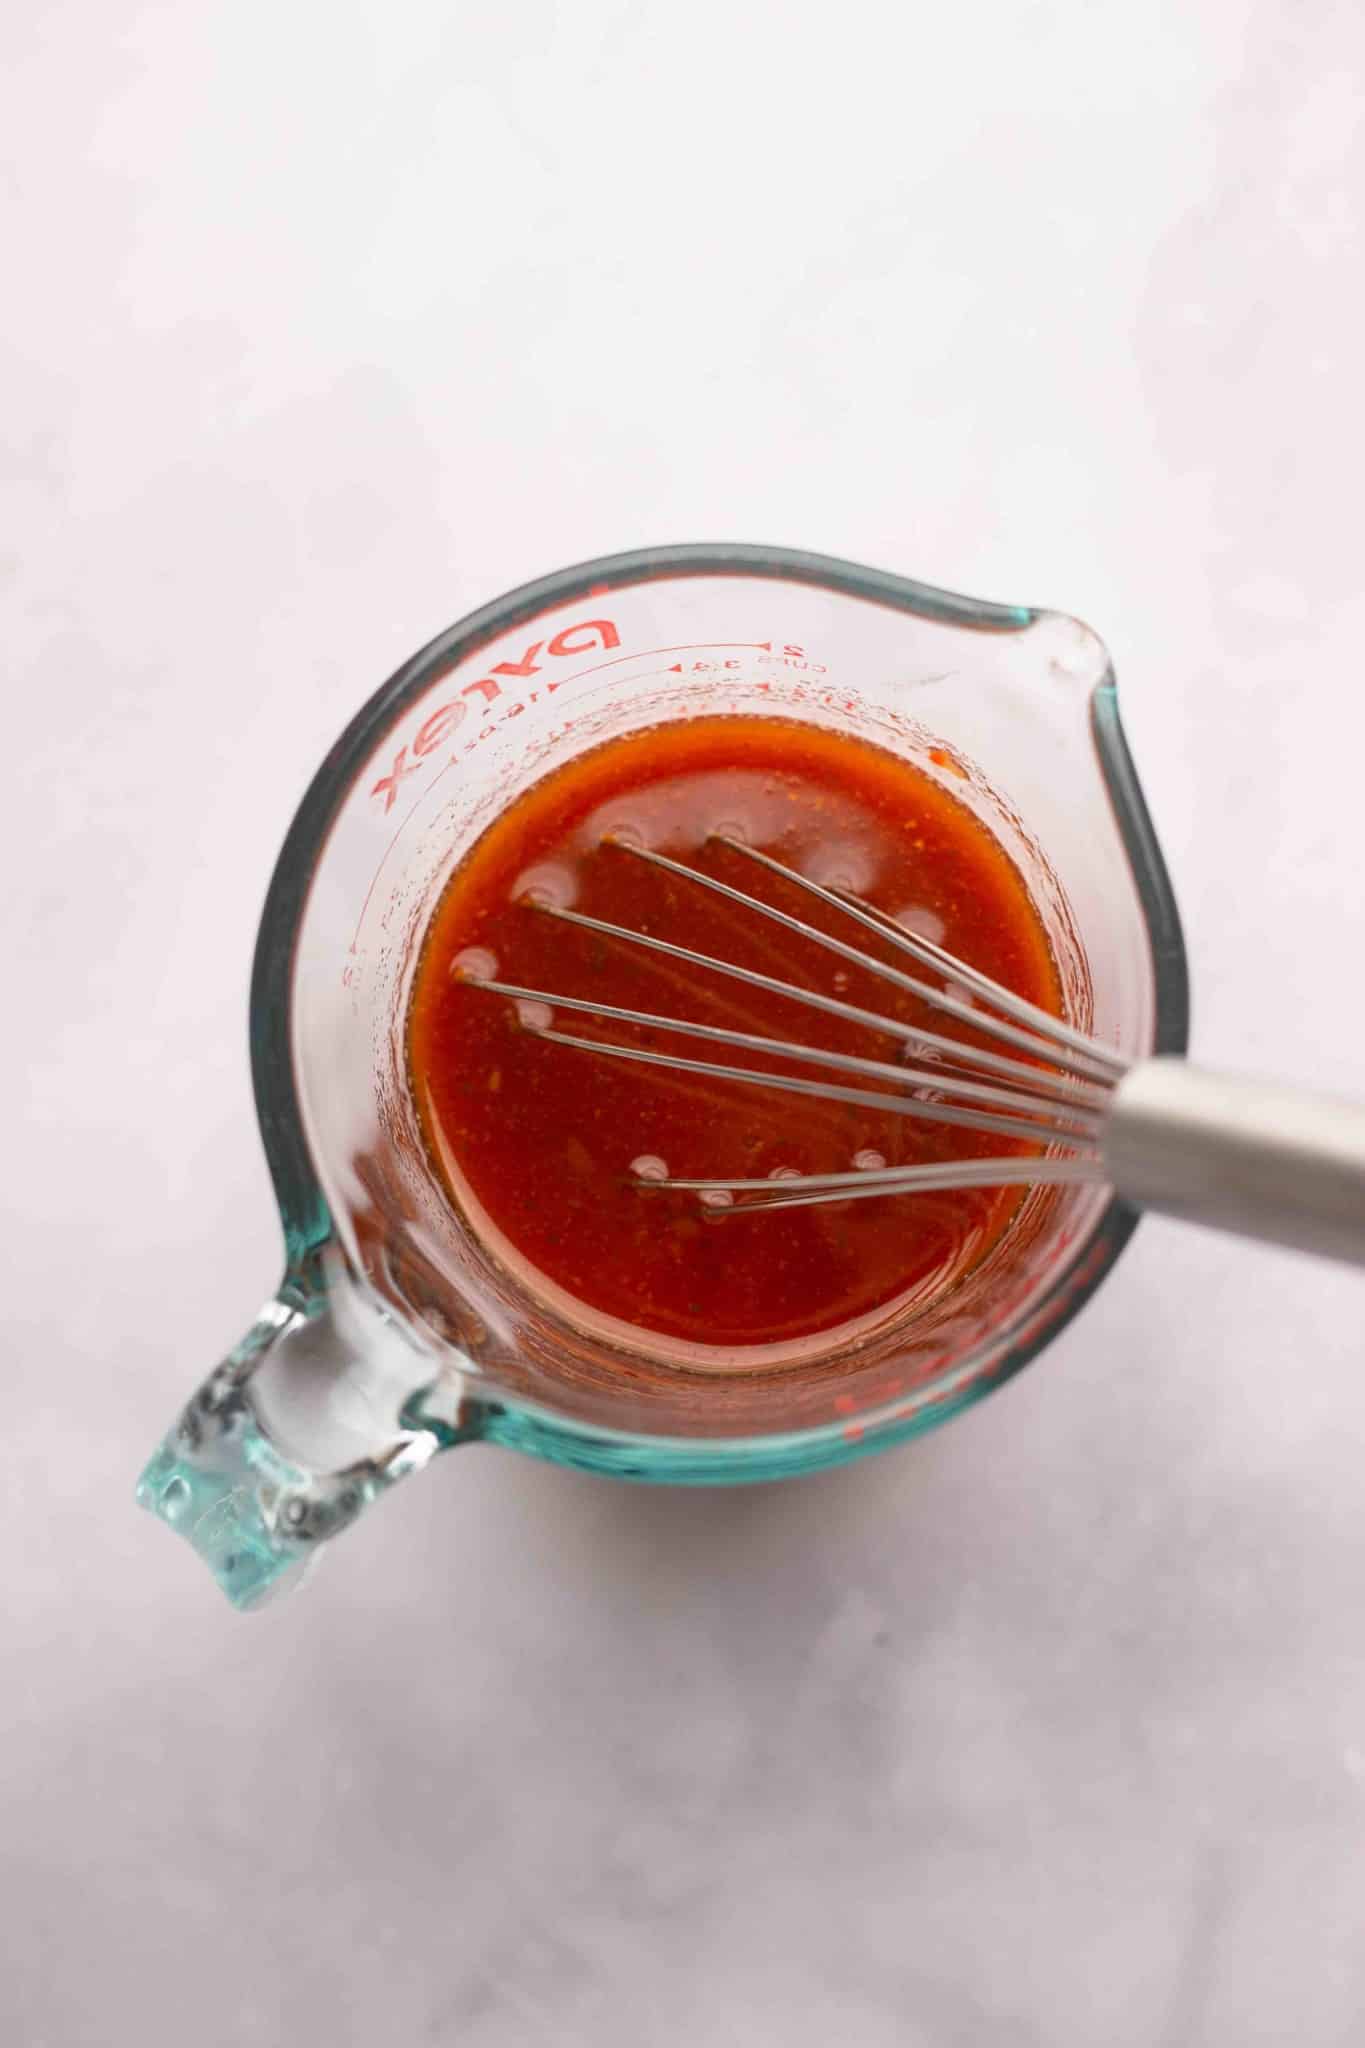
x: 550, y: 885
x: 837, y: 864
x: 533, y: 1016
x: 922, y: 922
x: 475, y: 963
x: 649, y: 1167
x: 868, y: 1161
x: 915, y: 1053
x: 623, y: 833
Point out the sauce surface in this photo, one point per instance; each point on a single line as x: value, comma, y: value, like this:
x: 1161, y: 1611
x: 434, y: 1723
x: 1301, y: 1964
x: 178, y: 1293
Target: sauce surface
x: 536, y: 1141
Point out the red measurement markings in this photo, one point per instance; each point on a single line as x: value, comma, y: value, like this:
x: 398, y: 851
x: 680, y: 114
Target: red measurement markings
x: 449, y: 717
x: 441, y: 724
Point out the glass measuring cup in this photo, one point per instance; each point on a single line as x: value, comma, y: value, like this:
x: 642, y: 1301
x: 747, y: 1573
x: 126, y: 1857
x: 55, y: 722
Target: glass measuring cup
x: 395, y: 1333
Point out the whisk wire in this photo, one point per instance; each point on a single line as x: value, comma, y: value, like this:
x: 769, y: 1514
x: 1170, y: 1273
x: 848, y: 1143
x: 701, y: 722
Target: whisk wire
x: 833, y: 1006
x: 1057, y: 1097
x: 923, y: 950
x: 1063, y: 1054
x: 812, y: 1190
x: 1040, y: 1105
x: 944, y: 1173
x: 826, y: 1091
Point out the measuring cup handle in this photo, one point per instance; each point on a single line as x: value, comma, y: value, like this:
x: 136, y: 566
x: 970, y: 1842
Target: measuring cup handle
x: 229, y: 1477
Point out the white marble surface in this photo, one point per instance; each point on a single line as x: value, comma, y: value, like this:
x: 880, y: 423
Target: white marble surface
x: 324, y: 324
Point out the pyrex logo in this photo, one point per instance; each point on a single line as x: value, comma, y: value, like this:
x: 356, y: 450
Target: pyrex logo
x: 447, y: 718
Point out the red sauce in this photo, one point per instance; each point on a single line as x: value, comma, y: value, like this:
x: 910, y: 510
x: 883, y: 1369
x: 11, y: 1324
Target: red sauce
x: 536, y: 1141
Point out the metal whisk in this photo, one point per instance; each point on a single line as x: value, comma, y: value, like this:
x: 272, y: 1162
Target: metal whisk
x: 1274, y: 1163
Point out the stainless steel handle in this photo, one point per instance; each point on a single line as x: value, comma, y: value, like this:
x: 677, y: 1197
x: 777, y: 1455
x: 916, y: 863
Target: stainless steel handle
x: 1267, y: 1162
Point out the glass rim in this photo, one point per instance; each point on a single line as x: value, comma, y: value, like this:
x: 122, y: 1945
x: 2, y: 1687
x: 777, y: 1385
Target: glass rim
x: 304, y: 1212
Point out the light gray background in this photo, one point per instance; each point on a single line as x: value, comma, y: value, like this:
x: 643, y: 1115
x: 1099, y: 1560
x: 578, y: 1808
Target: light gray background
x: 326, y: 323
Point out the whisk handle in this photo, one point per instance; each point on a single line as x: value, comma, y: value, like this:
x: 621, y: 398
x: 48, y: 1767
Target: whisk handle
x: 1267, y: 1162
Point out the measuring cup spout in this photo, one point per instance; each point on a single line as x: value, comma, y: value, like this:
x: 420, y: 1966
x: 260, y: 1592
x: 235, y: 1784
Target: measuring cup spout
x: 323, y: 1406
